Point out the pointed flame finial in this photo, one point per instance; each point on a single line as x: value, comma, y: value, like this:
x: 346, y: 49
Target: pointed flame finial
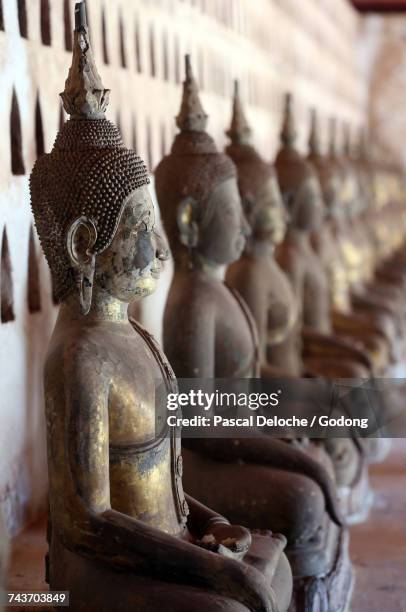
x: 288, y: 133
x: 333, y: 137
x: 192, y: 117
x: 314, y: 136
x: 84, y: 96
x: 239, y: 131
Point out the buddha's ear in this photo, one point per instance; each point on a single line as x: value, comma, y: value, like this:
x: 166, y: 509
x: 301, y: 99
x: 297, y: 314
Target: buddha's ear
x: 187, y: 222
x: 81, y: 238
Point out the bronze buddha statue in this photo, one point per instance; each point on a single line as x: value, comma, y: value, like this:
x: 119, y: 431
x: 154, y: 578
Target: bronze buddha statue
x: 346, y: 318
x: 346, y: 321
x: 122, y: 534
x: 256, y: 275
x: 266, y: 483
x: 371, y: 230
x: 375, y: 305
x: 325, y: 353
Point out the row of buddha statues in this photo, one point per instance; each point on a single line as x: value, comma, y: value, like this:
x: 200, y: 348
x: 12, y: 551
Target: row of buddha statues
x: 314, y: 286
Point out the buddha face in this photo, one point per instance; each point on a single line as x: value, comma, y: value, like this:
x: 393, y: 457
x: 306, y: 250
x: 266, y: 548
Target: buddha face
x: 270, y: 221
x: 331, y: 192
x: 307, y: 209
x: 130, y: 267
x: 223, y: 235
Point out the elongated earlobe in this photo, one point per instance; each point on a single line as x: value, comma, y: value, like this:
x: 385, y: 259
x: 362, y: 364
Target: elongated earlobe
x: 187, y: 224
x: 81, y: 239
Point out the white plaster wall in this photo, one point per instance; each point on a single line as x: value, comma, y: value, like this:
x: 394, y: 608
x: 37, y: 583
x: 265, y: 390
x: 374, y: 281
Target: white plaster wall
x: 382, y: 60
x: 304, y: 46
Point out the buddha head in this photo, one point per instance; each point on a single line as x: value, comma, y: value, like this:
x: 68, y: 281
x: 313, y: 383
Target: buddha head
x: 349, y: 187
x: 328, y: 173
x: 297, y: 178
x: 197, y: 190
x: 89, y: 196
x: 260, y: 195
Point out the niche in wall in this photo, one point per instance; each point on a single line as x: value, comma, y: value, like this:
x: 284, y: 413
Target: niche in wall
x: 6, y: 282
x: 138, y: 59
x: 67, y: 24
x: 152, y: 58
x: 177, y: 61
x: 105, y: 47
x: 17, y: 161
x: 45, y: 20
x: 34, y: 294
x: 39, y: 129
x: 22, y: 18
x: 165, y: 57
x: 123, y: 57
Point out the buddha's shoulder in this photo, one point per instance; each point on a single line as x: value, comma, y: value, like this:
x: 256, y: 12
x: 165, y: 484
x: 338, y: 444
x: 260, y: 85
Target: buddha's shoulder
x: 82, y: 349
x: 194, y: 289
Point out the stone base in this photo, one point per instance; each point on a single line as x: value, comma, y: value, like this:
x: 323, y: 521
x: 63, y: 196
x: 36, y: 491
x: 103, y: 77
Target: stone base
x: 331, y: 592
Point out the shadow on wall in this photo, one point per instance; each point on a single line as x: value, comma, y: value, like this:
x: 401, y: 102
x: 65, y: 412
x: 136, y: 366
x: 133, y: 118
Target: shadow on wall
x: 36, y: 342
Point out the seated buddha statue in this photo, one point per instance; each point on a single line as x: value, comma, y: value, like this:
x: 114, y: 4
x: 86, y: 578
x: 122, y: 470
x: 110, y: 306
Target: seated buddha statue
x: 266, y: 483
x: 122, y: 533
x: 370, y: 228
x: 256, y: 275
x: 303, y: 199
x: 355, y: 255
x: 325, y: 353
x: 346, y: 321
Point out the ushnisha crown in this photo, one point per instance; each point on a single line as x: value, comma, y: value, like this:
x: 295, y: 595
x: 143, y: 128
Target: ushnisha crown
x: 291, y: 167
x: 253, y: 171
x: 89, y: 173
x: 194, y: 167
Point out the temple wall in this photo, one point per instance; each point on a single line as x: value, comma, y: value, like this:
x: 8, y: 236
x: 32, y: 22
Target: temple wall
x: 307, y: 47
x: 382, y: 54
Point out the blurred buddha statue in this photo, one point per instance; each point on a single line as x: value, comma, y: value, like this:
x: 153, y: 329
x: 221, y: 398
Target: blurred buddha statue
x: 373, y: 229
x: 325, y: 353
x: 346, y: 321
x: 210, y: 333
x: 256, y: 275
x: 355, y: 251
x: 122, y: 534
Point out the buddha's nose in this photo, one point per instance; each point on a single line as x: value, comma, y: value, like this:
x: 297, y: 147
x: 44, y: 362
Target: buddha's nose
x: 161, y: 247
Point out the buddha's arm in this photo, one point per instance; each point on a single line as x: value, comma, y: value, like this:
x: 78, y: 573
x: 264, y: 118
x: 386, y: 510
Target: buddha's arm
x: 270, y: 371
x: 367, y: 300
x: 325, y: 345
x: 100, y: 532
x: 253, y: 289
x: 264, y: 450
x: 354, y: 324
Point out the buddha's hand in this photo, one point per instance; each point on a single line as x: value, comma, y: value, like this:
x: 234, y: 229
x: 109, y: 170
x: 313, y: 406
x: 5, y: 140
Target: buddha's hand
x: 225, y: 539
